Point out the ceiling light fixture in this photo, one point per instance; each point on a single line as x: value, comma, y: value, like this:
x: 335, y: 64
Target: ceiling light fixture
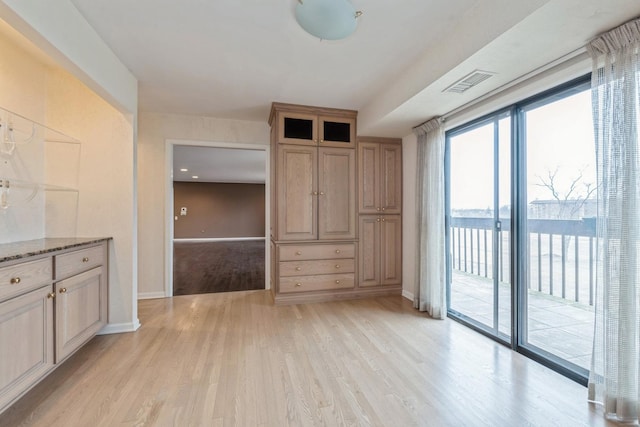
x: 327, y: 19
x: 184, y: 170
x: 195, y: 177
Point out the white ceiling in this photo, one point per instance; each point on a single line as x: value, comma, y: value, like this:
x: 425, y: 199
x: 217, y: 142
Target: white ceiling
x: 213, y: 164
x: 231, y: 59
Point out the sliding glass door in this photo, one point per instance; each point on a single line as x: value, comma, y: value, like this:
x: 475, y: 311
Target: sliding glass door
x: 525, y: 276
x: 479, y: 215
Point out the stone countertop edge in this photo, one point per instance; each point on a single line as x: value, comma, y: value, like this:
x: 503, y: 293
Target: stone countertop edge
x: 28, y: 248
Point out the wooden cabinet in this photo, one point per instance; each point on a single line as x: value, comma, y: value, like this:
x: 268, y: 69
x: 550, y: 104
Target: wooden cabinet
x: 336, y: 194
x: 380, y: 250
x: 26, y: 341
x: 380, y: 207
x: 379, y: 175
x: 317, y: 126
x: 49, y: 307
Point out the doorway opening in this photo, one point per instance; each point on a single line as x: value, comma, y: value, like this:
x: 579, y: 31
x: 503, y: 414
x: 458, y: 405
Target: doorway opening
x: 217, y: 215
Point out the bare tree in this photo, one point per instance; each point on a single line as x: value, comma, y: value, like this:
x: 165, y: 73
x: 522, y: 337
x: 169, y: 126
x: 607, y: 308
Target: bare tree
x: 571, y: 199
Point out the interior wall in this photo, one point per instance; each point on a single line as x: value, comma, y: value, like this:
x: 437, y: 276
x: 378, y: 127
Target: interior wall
x: 104, y: 206
x: 218, y: 210
x: 154, y: 129
x: 409, y: 217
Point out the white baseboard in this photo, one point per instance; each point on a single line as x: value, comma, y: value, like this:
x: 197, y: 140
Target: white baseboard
x: 118, y: 328
x: 408, y: 295
x: 151, y: 295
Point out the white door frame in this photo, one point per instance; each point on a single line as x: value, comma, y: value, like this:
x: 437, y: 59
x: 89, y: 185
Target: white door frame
x: 169, y: 220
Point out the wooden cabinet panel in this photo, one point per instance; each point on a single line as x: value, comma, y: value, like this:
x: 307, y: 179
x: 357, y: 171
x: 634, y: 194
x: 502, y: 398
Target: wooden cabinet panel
x: 336, y: 194
x: 316, y: 283
x: 21, y: 278
x: 391, y: 178
x: 317, y: 251
x: 81, y: 310
x: 78, y: 261
x: 337, y: 131
x: 391, y: 253
x: 297, y: 128
x: 380, y: 254
x: 325, y: 266
x: 297, y: 202
x: 379, y: 176
x: 369, y: 177
x: 369, y: 253
x: 26, y: 342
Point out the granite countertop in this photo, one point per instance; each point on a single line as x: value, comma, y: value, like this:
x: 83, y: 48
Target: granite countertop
x: 29, y: 248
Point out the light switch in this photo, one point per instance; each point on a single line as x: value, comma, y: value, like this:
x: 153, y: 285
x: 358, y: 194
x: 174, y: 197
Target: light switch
x: 183, y: 211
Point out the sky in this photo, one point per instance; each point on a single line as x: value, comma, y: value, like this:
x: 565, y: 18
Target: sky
x: 559, y: 138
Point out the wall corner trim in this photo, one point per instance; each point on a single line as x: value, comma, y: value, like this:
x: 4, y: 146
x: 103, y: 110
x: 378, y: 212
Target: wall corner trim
x: 408, y: 295
x: 118, y: 328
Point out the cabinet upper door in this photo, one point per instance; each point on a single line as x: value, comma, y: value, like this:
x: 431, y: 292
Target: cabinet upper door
x: 369, y: 177
x: 297, y: 192
x: 337, y: 131
x: 297, y: 128
x: 336, y: 193
x: 391, y: 178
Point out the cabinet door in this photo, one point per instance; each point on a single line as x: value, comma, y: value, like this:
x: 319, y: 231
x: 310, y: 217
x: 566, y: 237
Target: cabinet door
x: 297, y: 188
x: 369, y: 253
x: 391, y: 250
x: 337, y: 132
x: 26, y: 342
x: 297, y: 128
x: 391, y: 178
x: 336, y: 194
x: 369, y: 177
x: 81, y: 310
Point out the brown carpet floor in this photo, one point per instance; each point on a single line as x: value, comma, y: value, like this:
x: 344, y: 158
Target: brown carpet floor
x: 208, y: 267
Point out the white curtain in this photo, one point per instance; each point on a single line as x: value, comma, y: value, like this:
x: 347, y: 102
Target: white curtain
x: 614, y: 381
x: 429, y: 293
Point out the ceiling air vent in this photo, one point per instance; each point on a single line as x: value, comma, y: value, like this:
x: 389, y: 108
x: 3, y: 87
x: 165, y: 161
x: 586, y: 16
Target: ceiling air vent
x: 469, y: 81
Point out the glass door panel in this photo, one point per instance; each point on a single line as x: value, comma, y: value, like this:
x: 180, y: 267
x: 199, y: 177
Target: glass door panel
x: 560, y: 228
x: 479, y: 214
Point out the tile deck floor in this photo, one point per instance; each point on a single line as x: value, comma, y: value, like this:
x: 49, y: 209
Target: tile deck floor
x: 560, y: 326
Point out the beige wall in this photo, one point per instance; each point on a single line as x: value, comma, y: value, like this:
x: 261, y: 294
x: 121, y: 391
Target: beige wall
x: 409, y: 224
x: 154, y: 130
x: 218, y: 210
x: 104, y: 205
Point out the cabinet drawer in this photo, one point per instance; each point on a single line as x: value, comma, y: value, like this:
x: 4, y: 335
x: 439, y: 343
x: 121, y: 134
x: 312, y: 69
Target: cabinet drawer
x: 20, y: 278
x: 78, y: 261
x: 324, y: 266
x: 309, y: 252
x: 316, y: 283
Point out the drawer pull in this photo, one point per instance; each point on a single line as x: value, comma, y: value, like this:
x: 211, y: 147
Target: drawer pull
x: 298, y: 268
x: 337, y: 265
x: 382, y: 208
x: 382, y: 219
x: 298, y: 285
x: 378, y: 209
x: 85, y: 259
x: 51, y: 295
x: 63, y: 290
x: 14, y: 280
x: 337, y: 282
x: 337, y: 251
x: 378, y: 220
x: 298, y: 253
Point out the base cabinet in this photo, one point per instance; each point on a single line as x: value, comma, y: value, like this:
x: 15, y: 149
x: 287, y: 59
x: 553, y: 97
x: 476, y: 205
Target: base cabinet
x: 49, y: 308
x: 380, y: 253
x: 26, y: 342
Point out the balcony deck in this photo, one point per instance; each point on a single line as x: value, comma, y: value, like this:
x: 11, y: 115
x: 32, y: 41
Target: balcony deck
x: 557, y: 325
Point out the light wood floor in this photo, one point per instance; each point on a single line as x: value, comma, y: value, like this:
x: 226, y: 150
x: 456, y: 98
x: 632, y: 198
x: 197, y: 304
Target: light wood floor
x: 235, y: 359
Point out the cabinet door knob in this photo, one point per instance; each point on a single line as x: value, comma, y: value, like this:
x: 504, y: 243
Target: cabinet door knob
x: 51, y: 295
x: 382, y: 219
x: 322, y: 193
x: 337, y: 282
x: 321, y: 141
x: 337, y: 265
x: 382, y: 208
x: 315, y: 193
x: 298, y: 285
x: 298, y: 253
x: 337, y: 251
x: 377, y: 219
x: 63, y: 290
x: 298, y: 268
x: 378, y: 209
x: 14, y: 280
x: 85, y: 259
